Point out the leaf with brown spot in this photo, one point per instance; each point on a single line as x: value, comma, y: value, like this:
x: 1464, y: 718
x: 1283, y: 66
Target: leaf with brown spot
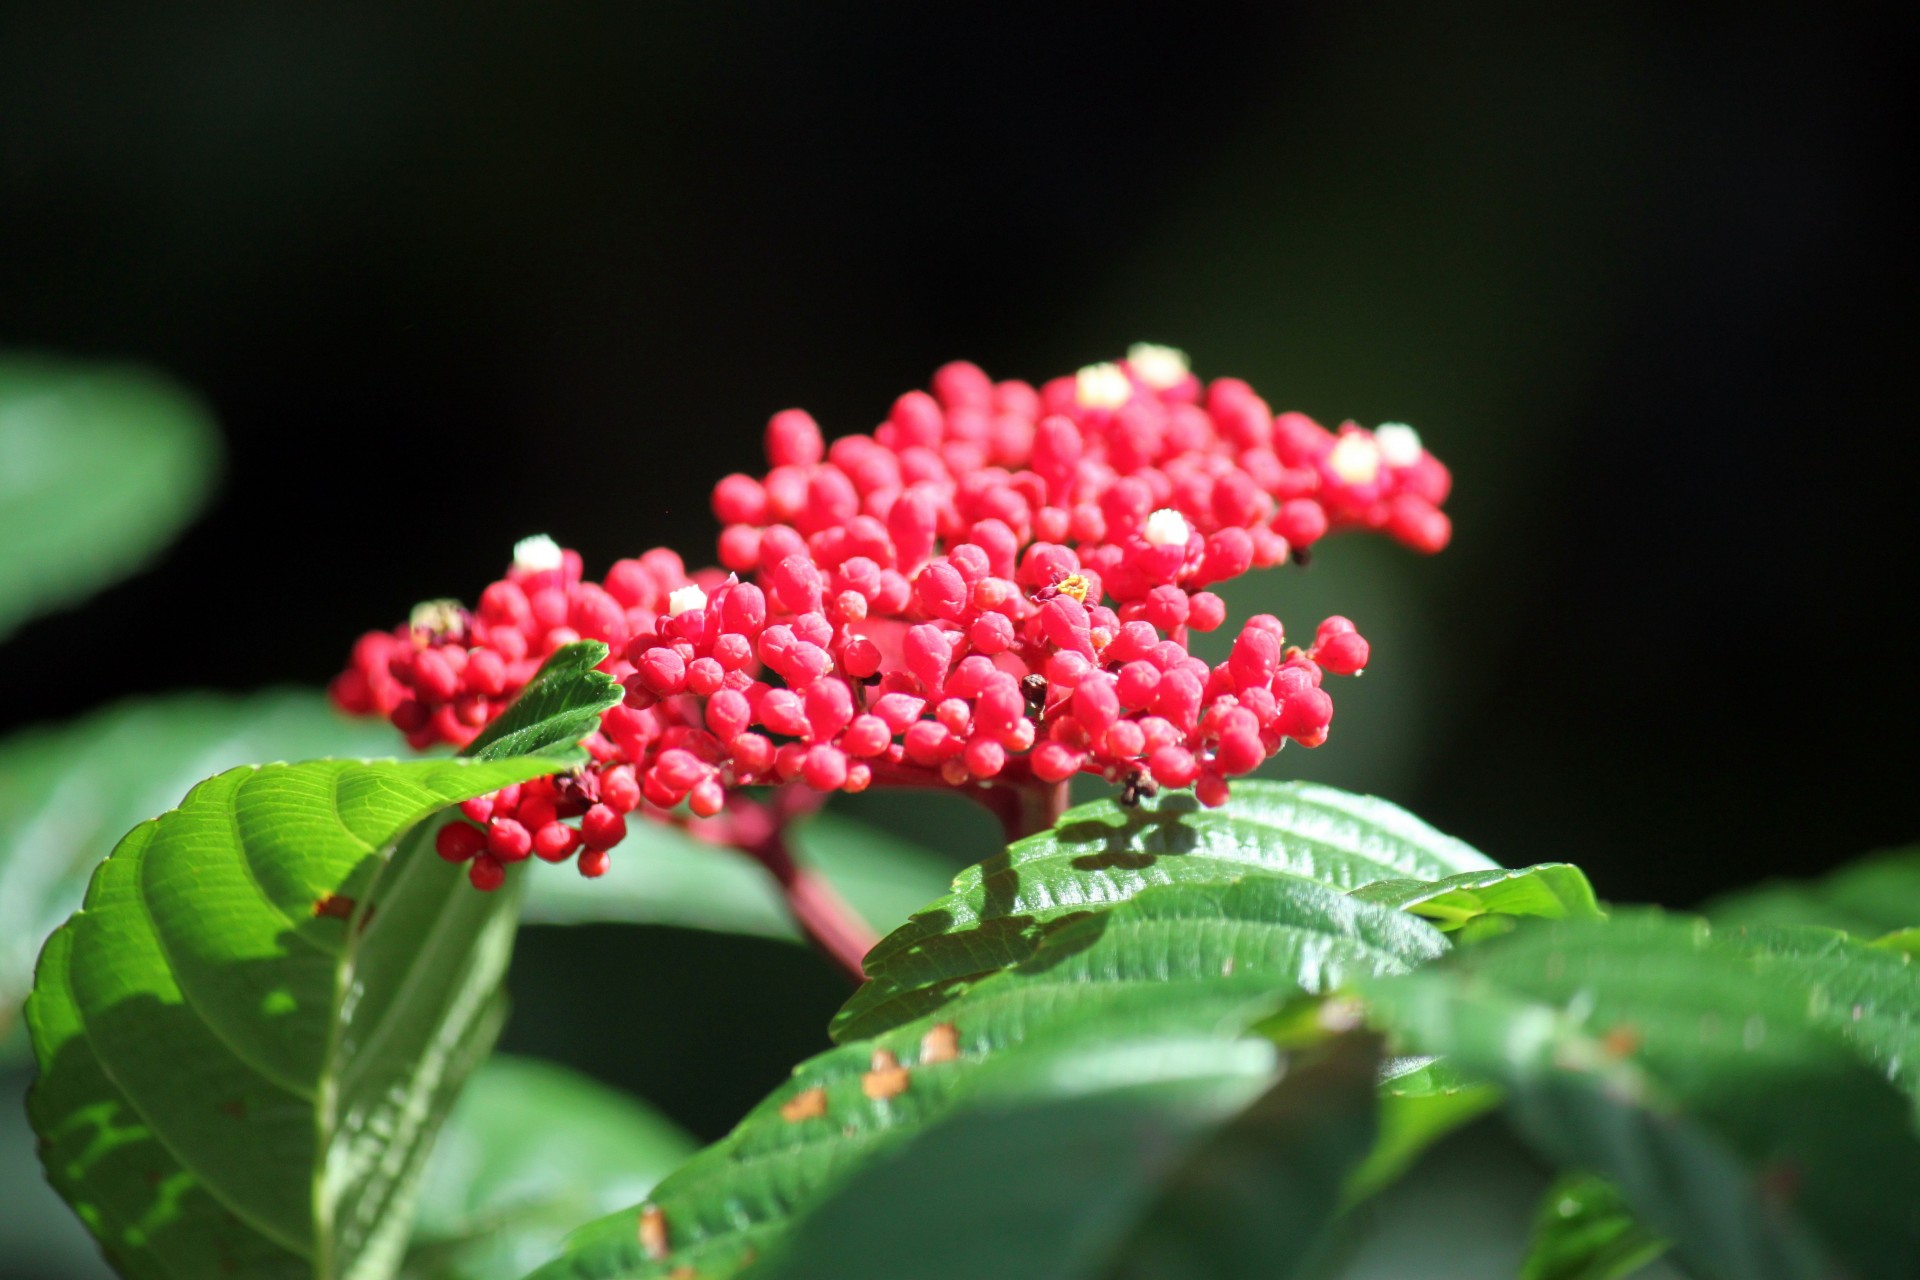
x: 808, y: 1104
x: 653, y: 1232
x: 333, y: 906
x: 940, y: 1044
x: 1621, y: 1041
x: 886, y: 1079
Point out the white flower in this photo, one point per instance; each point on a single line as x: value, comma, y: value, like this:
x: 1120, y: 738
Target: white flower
x: 1355, y: 458
x: 1168, y: 528
x: 1399, y: 444
x: 1102, y: 386
x: 681, y: 599
x: 1159, y: 367
x: 436, y: 617
x: 537, y: 554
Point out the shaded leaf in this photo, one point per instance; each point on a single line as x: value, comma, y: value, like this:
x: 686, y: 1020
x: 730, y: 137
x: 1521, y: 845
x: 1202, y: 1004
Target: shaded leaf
x: 100, y: 466
x: 661, y: 875
x: 1732, y: 1117
x: 1101, y: 854
x: 1175, y: 1157
x: 1412, y: 1120
x: 530, y: 1151
x: 250, y: 1032
x: 1585, y: 1231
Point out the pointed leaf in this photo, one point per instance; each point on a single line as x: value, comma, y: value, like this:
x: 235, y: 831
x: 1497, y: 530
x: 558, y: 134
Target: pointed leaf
x: 100, y: 466
x: 1550, y: 890
x: 1101, y: 853
x: 250, y: 1032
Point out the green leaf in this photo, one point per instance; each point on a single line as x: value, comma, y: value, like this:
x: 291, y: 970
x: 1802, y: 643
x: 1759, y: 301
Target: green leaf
x: 1550, y: 890
x: 1101, y: 853
x: 1732, y: 1117
x: 1877, y: 895
x: 1585, y: 1231
x: 1172, y: 1158
x: 1412, y: 1120
x: 68, y: 793
x: 530, y: 1151
x: 100, y: 466
x: 250, y: 1032
x: 1181, y: 960
x: 662, y: 875
x: 1868, y: 993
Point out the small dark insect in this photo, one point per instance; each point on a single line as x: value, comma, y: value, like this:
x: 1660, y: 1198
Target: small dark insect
x: 1301, y: 556
x: 1034, y: 689
x: 1137, y: 788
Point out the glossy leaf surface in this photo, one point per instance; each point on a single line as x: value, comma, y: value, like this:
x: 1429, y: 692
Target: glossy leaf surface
x: 252, y: 1029
x: 1100, y: 854
x: 1551, y: 891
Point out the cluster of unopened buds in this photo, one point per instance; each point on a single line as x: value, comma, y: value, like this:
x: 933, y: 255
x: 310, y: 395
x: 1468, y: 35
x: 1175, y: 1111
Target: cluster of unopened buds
x: 994, y: 590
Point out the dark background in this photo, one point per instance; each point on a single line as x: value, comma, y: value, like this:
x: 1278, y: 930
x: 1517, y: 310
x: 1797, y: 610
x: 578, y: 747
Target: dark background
x: 453, y: 274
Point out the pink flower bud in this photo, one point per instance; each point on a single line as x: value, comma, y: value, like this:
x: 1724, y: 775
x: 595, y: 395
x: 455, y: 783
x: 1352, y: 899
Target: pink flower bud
x: 793, y: 439
x: 739, y: 499
x: 1055, y: 761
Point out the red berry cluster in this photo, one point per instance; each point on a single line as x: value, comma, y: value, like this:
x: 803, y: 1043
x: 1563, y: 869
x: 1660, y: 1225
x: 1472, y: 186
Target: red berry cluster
x: 928, y: 605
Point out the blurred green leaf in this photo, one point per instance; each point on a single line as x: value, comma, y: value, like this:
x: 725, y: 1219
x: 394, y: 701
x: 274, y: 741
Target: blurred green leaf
x: 1102, y: 853
x: 1876, y: 895
x: 530, y: 1151
x: 1868, y: 993
x: 1175, y: 961
x: 1174, y: 1158
x: 1585, y: 1231
x: 662, y: 875
x: 100, y: 466
x: 68, y: 792
x: 249, y: 1034
x: 1550, y: 890
x: 1412, y: 1119
x: 1717, y: 1097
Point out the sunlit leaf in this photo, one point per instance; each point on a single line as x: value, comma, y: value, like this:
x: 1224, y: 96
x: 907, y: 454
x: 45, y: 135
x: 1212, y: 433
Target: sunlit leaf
x: 1101, y: 853
x: 250, y: 1032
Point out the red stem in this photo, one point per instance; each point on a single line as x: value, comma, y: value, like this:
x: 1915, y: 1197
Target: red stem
x: 829, y: 922
x: 1023, y: 804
